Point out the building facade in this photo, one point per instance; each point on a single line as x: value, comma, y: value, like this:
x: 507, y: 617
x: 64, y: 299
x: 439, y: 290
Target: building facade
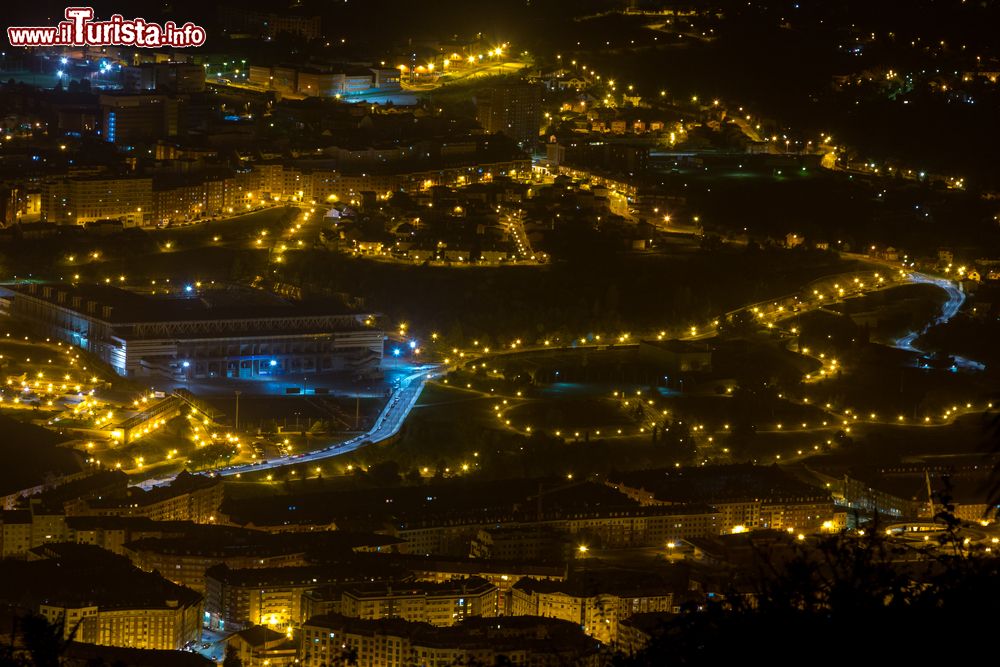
x: 598, y: 611
x: 169, y: 627
x: 512, y: 109
x: 137, y: 338
x: 75, y: 201
x: 440, y: 604
x: 334, y: 639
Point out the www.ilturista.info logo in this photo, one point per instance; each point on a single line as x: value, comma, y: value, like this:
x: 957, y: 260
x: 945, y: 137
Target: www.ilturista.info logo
x: 80, y: 30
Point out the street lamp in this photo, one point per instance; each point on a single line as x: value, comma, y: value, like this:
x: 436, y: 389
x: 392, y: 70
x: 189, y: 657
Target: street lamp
x: 237, y: 419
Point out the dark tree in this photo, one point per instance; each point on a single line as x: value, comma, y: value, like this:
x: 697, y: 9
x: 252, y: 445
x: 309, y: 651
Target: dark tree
x: 232, y: 658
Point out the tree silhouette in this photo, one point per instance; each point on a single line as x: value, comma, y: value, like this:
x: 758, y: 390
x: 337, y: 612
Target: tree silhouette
x: 843, y: 600
x: 232, y: 658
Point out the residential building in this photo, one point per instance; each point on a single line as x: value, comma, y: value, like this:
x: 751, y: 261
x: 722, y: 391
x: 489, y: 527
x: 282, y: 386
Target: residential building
x: 278, y: 597
x: 596, y: 602
x: 441, y: 604
x: 129, y: 119
x: 169, y: 77
x: 260, y: 646
x: 513, y: 109
x: 636, y: 632
x: 75, y: 201
x: 102, y: 598
x: 541, y: 642
x: 187, y: 498
x: 745, y: 497
x: 185, y: 560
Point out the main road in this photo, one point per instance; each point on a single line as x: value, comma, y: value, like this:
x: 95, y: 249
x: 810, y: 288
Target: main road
x: 387, y: 424
x: 956, y: 297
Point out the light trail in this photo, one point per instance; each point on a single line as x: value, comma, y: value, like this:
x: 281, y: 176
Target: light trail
x: 950, y: 308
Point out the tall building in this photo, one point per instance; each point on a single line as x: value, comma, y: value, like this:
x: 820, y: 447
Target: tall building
x: 512, y: 109
x: 135, y: 118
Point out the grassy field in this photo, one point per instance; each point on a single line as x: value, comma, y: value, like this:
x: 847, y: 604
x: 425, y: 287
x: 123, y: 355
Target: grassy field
x: 569, y: 415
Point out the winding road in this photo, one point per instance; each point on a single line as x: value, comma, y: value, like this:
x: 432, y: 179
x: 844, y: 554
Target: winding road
x: 950, y: 308
x: 404, y: 396
x: 387, y: 424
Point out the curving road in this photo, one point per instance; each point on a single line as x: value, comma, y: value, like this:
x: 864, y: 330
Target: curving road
x: 956, y: 297
x: 404, y: 397
x: 387, y: 424
x: 950, y: 308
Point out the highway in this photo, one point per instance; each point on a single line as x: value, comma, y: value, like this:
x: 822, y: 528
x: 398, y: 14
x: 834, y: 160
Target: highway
x: 388, y: 424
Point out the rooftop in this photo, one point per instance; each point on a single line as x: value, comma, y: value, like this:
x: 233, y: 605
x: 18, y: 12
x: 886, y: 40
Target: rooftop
x: 455, y: 587
x: 315, y: 575
x: 506, y: 633
x: 93, y: 654
x: 82, y: 575
x: 623, y: 583
x: 194, y: 304
x: 260, y: 635
x: 454, y: 500
x: 100, y: 482
x: 184, y: 483
x: 712, y: 484
x: 228, y: 541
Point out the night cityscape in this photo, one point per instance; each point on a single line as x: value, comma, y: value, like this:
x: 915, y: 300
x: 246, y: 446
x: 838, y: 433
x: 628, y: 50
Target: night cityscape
x: 543, y: 333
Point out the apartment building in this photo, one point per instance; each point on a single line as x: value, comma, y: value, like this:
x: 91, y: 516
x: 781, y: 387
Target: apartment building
x: 541, y: 642
x: 102, y: 598
x: 75, y: 201
x: 440, y: 604
x: 597, y: 604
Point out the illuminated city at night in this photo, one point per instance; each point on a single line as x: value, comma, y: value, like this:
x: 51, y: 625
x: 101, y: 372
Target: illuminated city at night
x: 610, y: 333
